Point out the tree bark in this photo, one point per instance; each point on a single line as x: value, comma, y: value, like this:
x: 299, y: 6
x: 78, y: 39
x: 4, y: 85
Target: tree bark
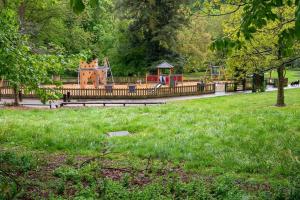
x: 16, y: 97
x: 280, y: 92
x: 21, y: 13
x: 4, y: 3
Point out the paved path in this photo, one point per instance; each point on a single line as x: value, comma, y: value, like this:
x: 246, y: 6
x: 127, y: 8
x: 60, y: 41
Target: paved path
x: 37, y: 103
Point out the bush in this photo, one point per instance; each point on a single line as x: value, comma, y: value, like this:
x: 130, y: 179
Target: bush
x: 16, y: 161
x: 225, y: 188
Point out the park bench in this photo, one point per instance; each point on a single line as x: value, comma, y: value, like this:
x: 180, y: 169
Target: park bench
x: 111, y: 103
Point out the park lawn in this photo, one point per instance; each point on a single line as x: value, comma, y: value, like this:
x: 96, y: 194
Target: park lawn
x: 243, y: 136
x: 292, y: 75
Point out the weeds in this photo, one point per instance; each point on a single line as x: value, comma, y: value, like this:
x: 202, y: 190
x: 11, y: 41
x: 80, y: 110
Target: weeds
x: 240, y: 135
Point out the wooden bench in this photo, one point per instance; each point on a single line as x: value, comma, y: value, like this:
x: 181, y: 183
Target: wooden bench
x: 111, y: 103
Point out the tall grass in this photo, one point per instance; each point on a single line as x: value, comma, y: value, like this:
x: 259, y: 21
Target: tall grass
x: 242, y: 134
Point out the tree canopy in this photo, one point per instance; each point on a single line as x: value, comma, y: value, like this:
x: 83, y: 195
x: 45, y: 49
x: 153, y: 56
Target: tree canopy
x: 273, y: 22
x: 18, y: 65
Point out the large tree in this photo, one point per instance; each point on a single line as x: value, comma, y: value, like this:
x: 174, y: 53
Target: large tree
x: 194, y: 40
x: 256, y: 16
x: 18, y: 65
x: 152, y: 26
x: 151, y: 32
x: 195, y: 49
x: 259, y: 54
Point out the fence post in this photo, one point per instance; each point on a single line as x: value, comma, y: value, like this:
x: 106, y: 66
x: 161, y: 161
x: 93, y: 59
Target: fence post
x: 244, y: 84
x: 20, y: 96
x: 69, y: 96
x: 64, y: 98
x: 201, y: 87
x: 235, y: 85
x: 214, y: 87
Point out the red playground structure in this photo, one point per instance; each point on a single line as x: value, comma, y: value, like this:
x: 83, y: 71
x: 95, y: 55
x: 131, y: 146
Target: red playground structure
x: 163, y: 78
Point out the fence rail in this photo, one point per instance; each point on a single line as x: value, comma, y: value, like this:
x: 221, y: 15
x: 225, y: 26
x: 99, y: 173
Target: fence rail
x: 238, y: 86
x: 274, y: 82
x: 142, y: 93
x: 4, y: 83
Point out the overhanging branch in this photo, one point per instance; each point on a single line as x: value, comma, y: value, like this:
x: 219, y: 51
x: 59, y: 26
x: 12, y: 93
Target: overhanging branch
x: 222, y: 14
x: 284, y: 63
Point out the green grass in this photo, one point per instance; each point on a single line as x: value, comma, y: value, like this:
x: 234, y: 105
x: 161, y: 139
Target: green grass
x: 242, y: 134
x: 236, y: 143
x: 292, y: 75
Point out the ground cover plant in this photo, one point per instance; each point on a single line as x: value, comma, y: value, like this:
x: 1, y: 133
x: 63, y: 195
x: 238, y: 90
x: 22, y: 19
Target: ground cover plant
x: 240, y: 139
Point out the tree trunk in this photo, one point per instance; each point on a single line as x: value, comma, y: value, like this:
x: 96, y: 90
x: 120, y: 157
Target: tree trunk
x: 3, y: 3
x: 280, y: 92
x: 16, y: 97
x: 21, y: 13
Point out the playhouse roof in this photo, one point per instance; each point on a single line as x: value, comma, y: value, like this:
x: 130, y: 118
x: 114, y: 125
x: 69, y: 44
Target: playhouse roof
x: 164, y: 65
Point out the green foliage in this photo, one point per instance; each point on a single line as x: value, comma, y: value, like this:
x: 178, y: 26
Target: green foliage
x: 151, y: 34
x: 267, y: 43
x: 216, y: 137
x: 258, y: 15
x: 8, y: 188
x: 67, y: 174
x: 195, y: 49
x: 59, y: 39
x: 17, y: 64
x: 77, y: 5
x: 23, y: 162
x: 133, y: 40
x: 12, y: 163
x: 169, y: 188
x: 226, y: 188
x: 53, y: 29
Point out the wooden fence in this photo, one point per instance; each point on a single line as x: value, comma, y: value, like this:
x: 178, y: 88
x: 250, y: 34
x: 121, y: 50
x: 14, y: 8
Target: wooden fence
x: 237, y: 86
x: 4, y: 83
x: 274, y: 82
x: 120, y: 93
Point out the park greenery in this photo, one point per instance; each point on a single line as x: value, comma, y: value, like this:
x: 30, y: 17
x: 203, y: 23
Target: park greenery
x: 197, y: 149
x: 42, y: 39
x: 234, y: 147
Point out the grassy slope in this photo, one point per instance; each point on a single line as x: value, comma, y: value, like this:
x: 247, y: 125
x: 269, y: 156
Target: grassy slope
x: 242, y: 134
x: 292, y: 75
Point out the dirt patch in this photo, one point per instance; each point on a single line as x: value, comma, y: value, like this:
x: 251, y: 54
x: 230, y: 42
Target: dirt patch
x: 41, y: 182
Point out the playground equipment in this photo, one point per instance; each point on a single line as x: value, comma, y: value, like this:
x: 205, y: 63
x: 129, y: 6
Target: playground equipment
x: 162, y: 78
x: 215, y: 73
x: 91, y: 71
